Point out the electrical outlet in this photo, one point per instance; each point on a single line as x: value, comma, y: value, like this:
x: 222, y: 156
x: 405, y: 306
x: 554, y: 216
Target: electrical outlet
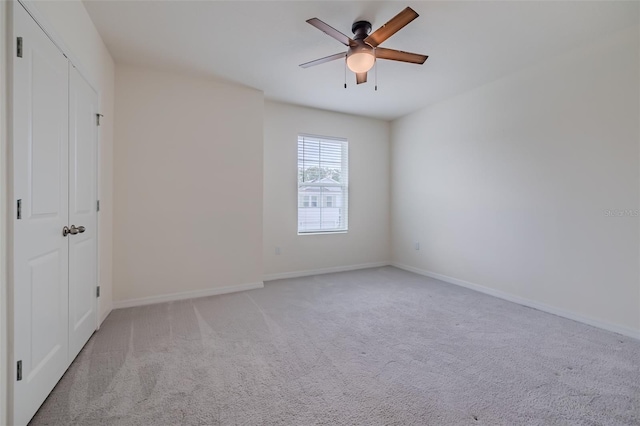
x: 278, y: 251
x: 417, y: 246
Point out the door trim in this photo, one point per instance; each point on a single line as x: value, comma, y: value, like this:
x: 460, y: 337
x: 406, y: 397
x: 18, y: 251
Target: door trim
x: 6, y: 188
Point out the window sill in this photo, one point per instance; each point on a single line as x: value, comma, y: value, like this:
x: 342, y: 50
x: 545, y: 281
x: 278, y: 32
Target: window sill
x: 323, y: 232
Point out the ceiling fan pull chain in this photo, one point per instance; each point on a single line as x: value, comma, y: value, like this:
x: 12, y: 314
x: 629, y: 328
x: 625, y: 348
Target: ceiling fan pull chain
x: 345, y: 72
x: 376, y: 70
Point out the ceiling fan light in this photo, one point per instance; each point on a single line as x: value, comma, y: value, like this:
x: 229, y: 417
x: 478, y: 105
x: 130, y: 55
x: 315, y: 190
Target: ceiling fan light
x: 360, y: 60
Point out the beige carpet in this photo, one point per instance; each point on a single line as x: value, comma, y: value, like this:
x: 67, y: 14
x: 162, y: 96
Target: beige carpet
x: 372, y: 347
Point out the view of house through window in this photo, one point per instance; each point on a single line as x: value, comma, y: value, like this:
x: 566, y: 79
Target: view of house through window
x: 323, y: 184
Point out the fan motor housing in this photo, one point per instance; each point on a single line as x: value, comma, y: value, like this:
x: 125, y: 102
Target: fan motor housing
x: 361, y: 29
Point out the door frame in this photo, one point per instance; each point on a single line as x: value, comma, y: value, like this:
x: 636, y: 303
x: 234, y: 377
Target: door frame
x: 5, y: 185
x: 7, y: 59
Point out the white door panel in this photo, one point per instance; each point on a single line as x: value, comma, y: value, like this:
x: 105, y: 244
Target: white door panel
x: 41, y: 253
x: 83, y: 138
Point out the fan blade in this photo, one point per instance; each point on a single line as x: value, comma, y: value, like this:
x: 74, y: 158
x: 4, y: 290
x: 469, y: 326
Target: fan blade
x: 361, y: 77
x: 390, y: 28
x: 331, y: 32
x: 399, y: 55
x: 323, y: 60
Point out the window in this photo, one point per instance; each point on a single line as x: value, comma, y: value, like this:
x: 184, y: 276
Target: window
x: 323, y: 184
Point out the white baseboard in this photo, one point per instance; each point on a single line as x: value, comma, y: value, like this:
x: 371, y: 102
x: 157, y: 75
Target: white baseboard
x: 296, y: 274
x: 117, y: 304
x: 620, y: 329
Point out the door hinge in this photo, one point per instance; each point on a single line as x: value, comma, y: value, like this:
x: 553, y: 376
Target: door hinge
x: 98, y: 291
x: 98, y: 205
x: 19, y: 209
x: 98, y: 116
x: 19, y: 47
x: 19, y: 370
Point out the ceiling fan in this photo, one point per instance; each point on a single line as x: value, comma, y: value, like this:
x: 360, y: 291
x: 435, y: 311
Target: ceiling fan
x: 363, y: 49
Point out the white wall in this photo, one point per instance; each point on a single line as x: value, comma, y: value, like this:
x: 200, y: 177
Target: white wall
x: 72, y: 25
x: 368, y: 240
x: 188, y: 192
x: 506, y: 186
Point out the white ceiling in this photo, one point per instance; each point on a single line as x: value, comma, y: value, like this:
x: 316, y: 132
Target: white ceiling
x: 260, y: 44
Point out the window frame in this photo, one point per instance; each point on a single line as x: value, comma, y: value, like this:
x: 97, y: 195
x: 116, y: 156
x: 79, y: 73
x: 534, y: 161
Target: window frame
x: 321, y: 198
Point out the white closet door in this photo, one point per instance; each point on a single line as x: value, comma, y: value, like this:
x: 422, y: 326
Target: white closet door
x: 41, y: 253
x: 83, y: 140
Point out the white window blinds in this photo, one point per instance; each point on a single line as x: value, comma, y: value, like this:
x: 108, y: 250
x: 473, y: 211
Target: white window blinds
x: 323, y: 184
